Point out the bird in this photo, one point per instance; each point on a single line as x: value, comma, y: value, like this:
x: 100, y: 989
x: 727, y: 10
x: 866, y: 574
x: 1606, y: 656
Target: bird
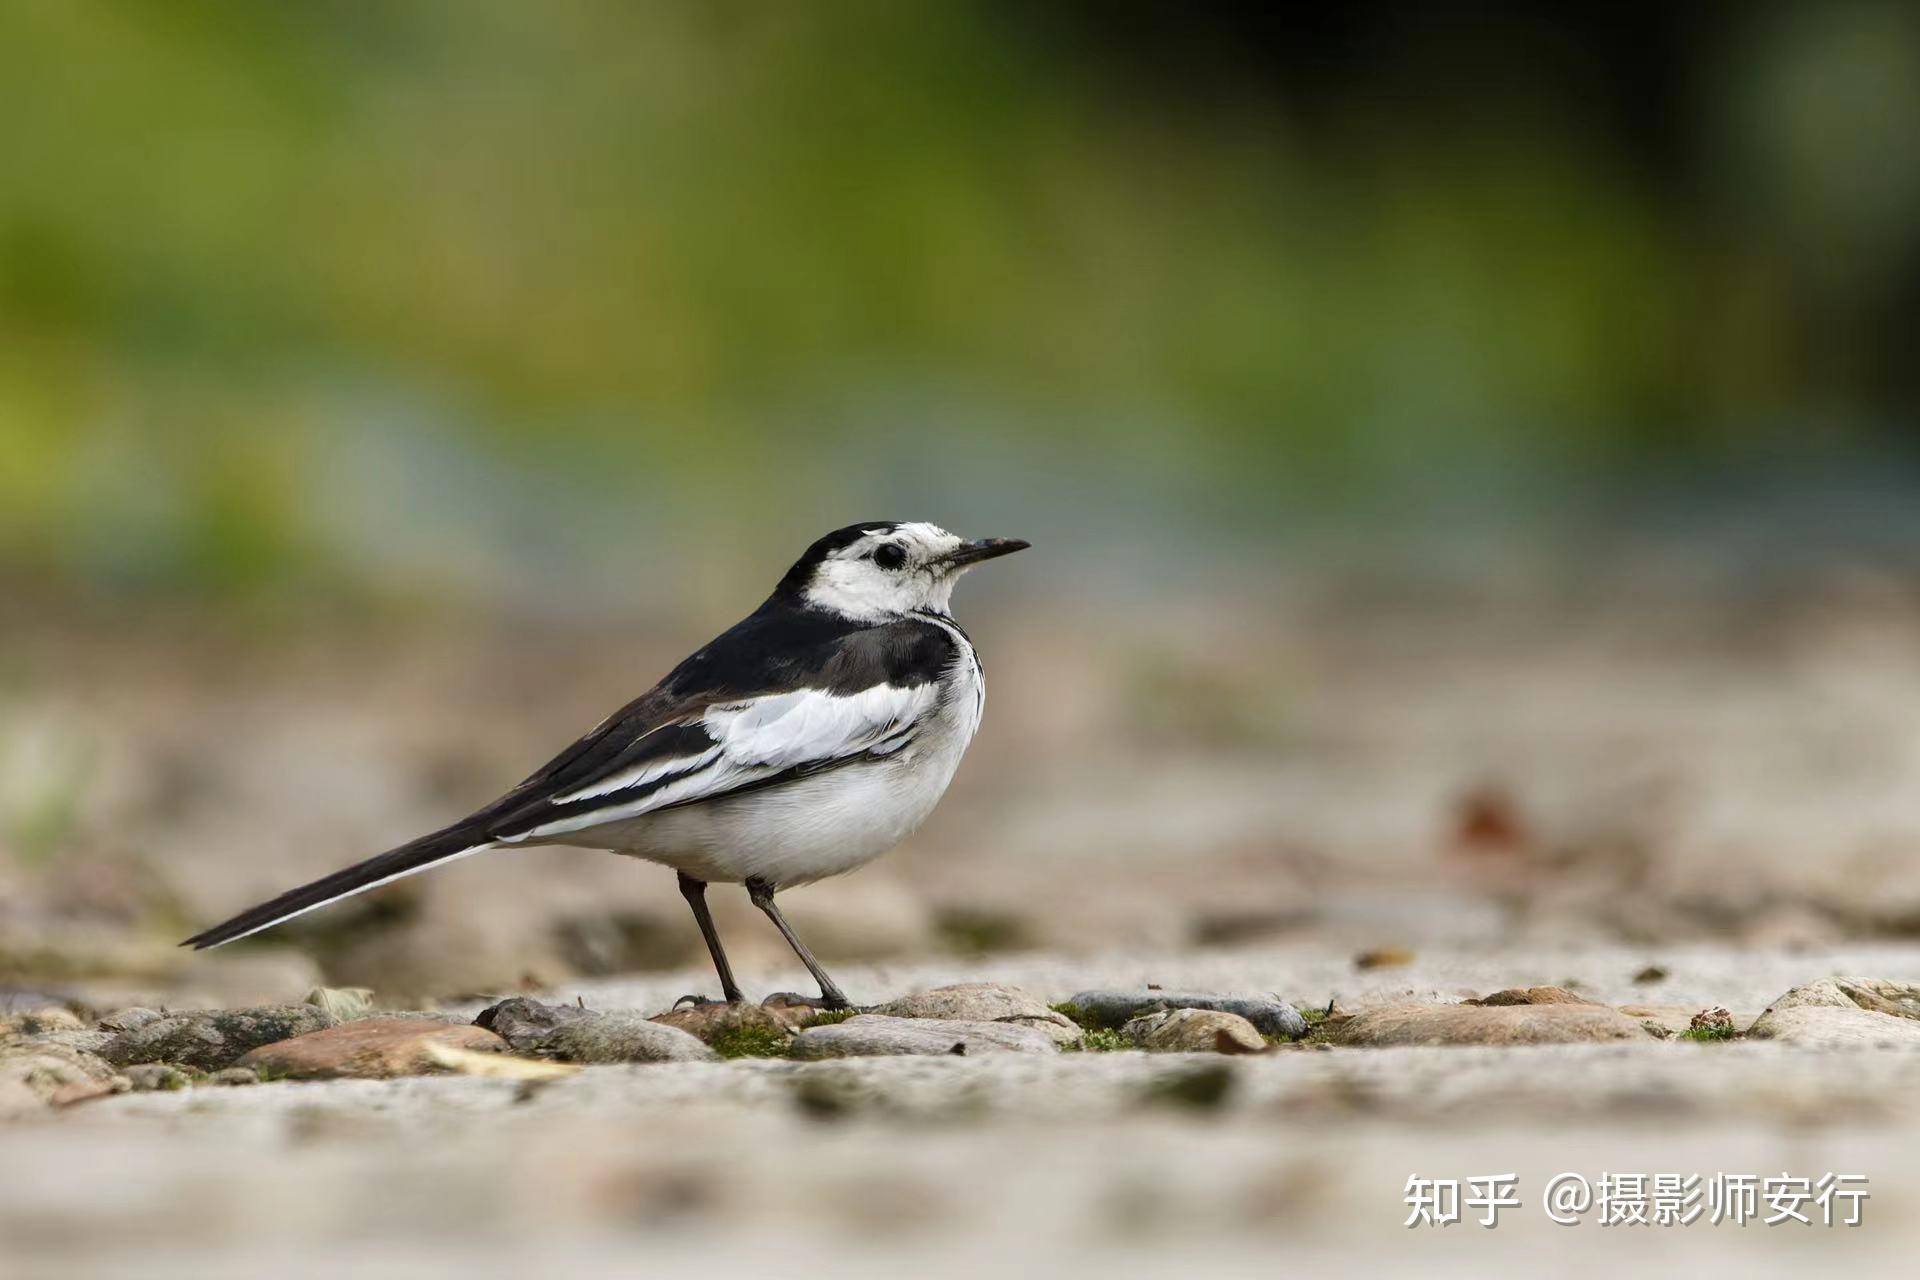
x: 803, y: 742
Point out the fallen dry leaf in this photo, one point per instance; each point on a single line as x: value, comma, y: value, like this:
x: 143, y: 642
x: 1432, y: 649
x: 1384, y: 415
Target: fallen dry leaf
x: 494, y: 1066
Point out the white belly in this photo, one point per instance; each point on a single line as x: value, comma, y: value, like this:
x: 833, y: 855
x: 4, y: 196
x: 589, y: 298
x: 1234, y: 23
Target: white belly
x: 814, y: 827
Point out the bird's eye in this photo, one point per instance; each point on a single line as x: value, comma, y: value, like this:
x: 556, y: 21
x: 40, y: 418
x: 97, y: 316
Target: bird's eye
x: 889, y: 556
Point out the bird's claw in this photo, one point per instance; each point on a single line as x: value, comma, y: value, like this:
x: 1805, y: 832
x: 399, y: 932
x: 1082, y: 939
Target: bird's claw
x: 793, y: 999
x: 696, y: 1001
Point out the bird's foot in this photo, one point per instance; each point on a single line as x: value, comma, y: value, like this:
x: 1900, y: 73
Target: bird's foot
x: 794, y: 1000
x: 699, y: 1002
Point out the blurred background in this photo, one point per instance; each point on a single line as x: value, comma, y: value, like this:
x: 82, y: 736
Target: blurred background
x: 1470, y: 452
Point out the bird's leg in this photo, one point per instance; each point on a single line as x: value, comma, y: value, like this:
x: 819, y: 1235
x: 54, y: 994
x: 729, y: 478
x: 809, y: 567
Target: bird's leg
x: 831, y: 997
x: 695, y: 892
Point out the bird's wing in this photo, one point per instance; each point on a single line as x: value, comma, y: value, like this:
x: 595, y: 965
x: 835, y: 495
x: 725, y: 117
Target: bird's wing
x: 775, y: 698
x: 725, y: 747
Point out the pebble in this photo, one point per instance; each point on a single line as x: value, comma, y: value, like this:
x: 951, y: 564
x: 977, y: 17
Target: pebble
x: 621, y: 1037
x: 149, y: 1076
x: 1195, y: 1031
x: 232, y: 1076
x: 523, y: 1023
x: 1465, y: 1024
x: 368, y: 1049
x: 985, y: 1002
x: 1271, y: 1017
x: 1835, y: 1028
x: 870, y: 1035
x: 715, y: 1020
x: 210, y: 1039
x: 1843, y: 1012
x: 34, y: 1075
x: 1531, y: 995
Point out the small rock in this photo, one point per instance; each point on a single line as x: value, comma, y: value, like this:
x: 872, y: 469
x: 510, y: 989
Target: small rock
x: 36, y: 1022
x: 1383, y: 958
x: 1114, y: 1009
x: 130, y: 1019
x: 1901, y: 999
x: 870, y: 1035
x: 1530, y: 995
x: 367, y: 1049
x: 93, y: 1042
x: 34, y: 1075
x: 151, y: 1076
x: 342, y: 1004
x: 1652, y: 973
x: 1850, y: 1028
x: 1843, y: 1011
x: 1459, y: 1024
x: 523, y: 1023
x: 720, y: 1023
x: 233, y: 1076
x: 985, y: 1002
x: 621, y: 1037
x: 1195, y: 1031
x: 210, y: 1039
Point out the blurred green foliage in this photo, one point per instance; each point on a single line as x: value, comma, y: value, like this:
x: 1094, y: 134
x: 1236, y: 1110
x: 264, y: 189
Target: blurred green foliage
x: 339, y: 290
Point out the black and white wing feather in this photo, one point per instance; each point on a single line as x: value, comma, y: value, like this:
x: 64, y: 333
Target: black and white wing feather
x: 730, y: 747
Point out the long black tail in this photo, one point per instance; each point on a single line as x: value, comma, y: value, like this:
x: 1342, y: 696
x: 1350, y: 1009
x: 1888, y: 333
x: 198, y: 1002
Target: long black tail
x: 456, y: 841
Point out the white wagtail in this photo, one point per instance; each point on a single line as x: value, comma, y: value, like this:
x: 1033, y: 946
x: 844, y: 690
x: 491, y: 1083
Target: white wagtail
x: 804, y: 742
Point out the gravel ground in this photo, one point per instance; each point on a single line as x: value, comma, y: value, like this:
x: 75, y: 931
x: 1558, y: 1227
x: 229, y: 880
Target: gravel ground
x: 1117, y: 1163
x: 1701, y: 975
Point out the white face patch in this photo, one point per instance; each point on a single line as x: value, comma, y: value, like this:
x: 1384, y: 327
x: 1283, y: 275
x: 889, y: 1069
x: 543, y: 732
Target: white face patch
x: 888, y: 572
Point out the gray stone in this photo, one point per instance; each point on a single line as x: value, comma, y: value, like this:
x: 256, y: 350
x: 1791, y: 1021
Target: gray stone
x: 1195, y: 1031
x: 1830, y: 1027
x: 523, y: 1023
x: 875, y: 1035
x: 620, y: 1037
x: 233, y: 1076
x: 34, y: 1075
x: 209, y: 1040
x: 1270, y: 1016
x: 130, y: 1019
x: 1860, y: 1012
x: 1901, y: 999
x: 85, y: 1041
x: 369, y: 1049
x: 40, y: 1021
x: 1532, y: 995
x: 342, y: 1004
x: 1463, y: 1024
x: 985, y: 1002
x: 149, y: 1076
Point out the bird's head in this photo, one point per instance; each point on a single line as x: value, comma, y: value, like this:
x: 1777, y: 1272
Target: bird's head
x: 886, y: 568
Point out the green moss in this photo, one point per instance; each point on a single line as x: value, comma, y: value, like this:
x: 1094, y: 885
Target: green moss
x: 1709, y: 1034
x: 1075, y: 1014
x: 1100, y: 1040
x: 751, y: 1042
x: 828, y: 1017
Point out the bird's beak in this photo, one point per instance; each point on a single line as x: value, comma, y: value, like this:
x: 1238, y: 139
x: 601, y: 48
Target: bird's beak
x: 972, y: 553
